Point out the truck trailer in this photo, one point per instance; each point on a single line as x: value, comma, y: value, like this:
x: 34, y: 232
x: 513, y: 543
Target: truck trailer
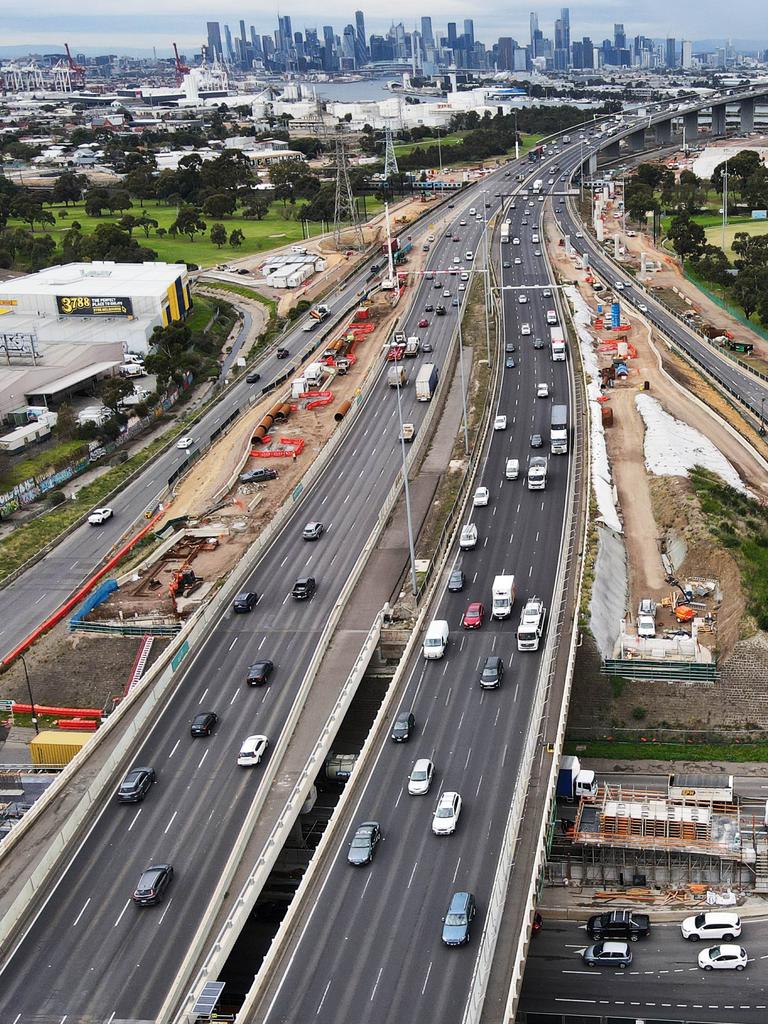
x: 717, y: 788
x: 558, y: 430
x: 426, y: 382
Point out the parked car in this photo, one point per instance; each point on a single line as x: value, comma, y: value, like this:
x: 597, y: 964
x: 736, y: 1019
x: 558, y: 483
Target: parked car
x: 99, y: 516
x: 474, y: 616
x: 364, y: 843
x: 245, y: 601
x: 203, y: 723
x: 723, y: 958
x: 304, y: 588
x: 712, y: 924
x: 402, y: 727
x: 619, y: 924
x: 253, y: 476
x: 152, y: 884
x: 421, y: 776
x: 458, y: 919
x: 446, y: 816
x: 607, y: 954
x: 252, y: 749
x: 259, y: 672
x: 135, y: 786
x: 456, y: 581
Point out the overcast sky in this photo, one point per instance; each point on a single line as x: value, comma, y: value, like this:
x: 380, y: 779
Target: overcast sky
x: 137, y: 24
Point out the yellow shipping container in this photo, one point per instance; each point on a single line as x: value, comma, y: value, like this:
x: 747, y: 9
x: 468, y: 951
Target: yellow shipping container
x: 54, y: 747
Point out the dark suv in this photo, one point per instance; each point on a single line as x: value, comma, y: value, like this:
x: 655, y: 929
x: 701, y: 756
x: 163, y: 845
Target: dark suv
x: 245, y: 601
x: 493, y: 672
x: 458, y: 920
x: 619, y: 924
x: 403, y: 726
x: 152, y: 885
x: 256, y: 475
x: 135, y: 786
x: 304, y: 588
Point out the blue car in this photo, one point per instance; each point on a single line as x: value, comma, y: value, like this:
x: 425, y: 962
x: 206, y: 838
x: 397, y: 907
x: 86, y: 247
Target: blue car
x: 458, y: 919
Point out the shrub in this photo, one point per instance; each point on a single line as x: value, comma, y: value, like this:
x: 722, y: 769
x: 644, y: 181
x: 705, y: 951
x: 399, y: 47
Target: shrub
x: 56, y: 498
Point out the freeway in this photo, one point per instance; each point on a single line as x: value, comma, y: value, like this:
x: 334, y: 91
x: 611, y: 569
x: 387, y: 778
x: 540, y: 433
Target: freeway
x: 368, y: 946
x: 663, y: 983
x: 46, y: 584
x: 103, y: 957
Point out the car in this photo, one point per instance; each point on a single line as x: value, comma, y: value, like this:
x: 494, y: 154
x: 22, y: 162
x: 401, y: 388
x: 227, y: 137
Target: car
x: 462, y: 224
x: 525, y: 329
x: 538, y: 343
x: 429, y: 308
x: 259, y: 672
x: 522, y: 299
x: 456, y: 238
x: 135, y: 786
x: 492, y: 673
x: 456, y: 581
x: 454, y: 302
x: 402, y: 727
x: 252, y: 749
x: 312, y: 531
x: 185, y: 442
x: 242, y: 270
x: 542, y: 390
x: 254, y: 476
x: 446, y: 816
x: 152, y: 884
x: 619, y: 286
x: 304, y: 588
x: 515, y: 241
x: 245, y: 601
x: 579, y: 234
x: 711, y: 924
x: 547, y: 293
x: 420, y: 778
x: 537, y: 441
x: 439, y: 311
x: 642, y: 307
x: 506, y: 264
x: 252, y: 378
x: 446, y: 293
x: 481, y: 496
x: 518, y: 261
x: 510, y: 363
x: 426, y: 346
x: 537, y: 252
x: 500, y: 422
x: 283, y: 353
x: 462, y: 287
x: 619, y: 924
x: 726, y: 957
x: 100, y: 516
x: 423, y: 322
x: 204, y: 723
x: 474, y: 616
x: 437, y: 284
x: 364, y: 843
x: 607, y: 954
x: 510, y: 347
x: 458, y: 919
x: 430, y: 275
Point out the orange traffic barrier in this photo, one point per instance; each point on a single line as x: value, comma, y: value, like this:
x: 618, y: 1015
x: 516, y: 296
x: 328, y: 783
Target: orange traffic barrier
x: 45, y: 709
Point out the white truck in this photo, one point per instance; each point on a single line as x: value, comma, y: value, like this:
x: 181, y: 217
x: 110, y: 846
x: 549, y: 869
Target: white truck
x: 396, y: 376
x: 537, y: 473
x: 426, y: 382
x: 557, y: 343
x: 646, y: 618
x: 531, y: 627
x: 504, y: 593
x: 717, y: 788
x: 575, y: 782
x: 538, y: 185
x: 505, y: 227
x: 412, y: 346
x: 558, y: 430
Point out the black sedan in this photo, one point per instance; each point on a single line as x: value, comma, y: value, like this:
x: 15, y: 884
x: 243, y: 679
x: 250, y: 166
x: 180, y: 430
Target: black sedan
x: 364, y: 843
x: 456, y: 581
x: 204, y: 723
x: 259, y: 672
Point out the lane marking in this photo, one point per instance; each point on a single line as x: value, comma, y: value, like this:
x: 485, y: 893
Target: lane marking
x: 413, y: 872
x: 135, y: 819
x: 85, y: 907
x: 117, y: 922
x: 202, y: 698
x: 165, y: 833
x: 174, y: 749
x: 378, y: 978
x: 320, y: 1004
x: 200, y: 765
x: 165, y: 910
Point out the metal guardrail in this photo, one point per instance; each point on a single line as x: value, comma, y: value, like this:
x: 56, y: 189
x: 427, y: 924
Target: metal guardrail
x: 685, y: 671
x: 125, y: 628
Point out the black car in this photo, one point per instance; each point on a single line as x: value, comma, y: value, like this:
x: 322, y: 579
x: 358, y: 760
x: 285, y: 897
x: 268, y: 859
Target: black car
x: 429, y: 308
x: 135, y: 786
x: 456, y: 581
x: 304, y: 588
x: 283, y: 353
x: 364, y: 843
x: 257, y: 475
x: 458, y: 920
x: 203, y: 724
x: 259, y: 672
x: 537, y: 441
x: 619, y: 924
x: 440, y: 310
x: 152, y: 884
x: 403, y: 726
x: 245, y: 601
x: 538, y: 343
x: 493, y: 672
x: 251, y: 378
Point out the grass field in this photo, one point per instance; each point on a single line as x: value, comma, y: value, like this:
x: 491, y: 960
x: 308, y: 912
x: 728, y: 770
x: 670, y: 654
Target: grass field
x: 715, y: 231
x: 273, y: 231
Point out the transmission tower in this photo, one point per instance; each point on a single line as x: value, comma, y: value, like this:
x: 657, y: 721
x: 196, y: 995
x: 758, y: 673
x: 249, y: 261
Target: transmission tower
x: 345, y: 211
x: 390, y: 160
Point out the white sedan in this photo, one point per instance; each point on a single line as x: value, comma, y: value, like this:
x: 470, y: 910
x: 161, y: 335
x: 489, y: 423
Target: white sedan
x: 420, y: 778
x: 522, y: 299
x: 185, y: 442
x: 482, y: 496
x: 726, y: 957
x: 642, y: 307
x: 252, y: 750
x: 619, y: 286
x: 446, y: 814
x: 542, y: 390
x: 100, y: 516
x: 500, y: 423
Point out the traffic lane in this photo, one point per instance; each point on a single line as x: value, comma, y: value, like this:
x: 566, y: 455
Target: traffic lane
x: 662, y: 982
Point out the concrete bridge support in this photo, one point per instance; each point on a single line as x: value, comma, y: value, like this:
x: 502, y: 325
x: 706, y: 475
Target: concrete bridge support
x: 747, y: 116
x: 691, y: 127
x: 718, y: 119
x: 664, y: 131
x: 637, y: 141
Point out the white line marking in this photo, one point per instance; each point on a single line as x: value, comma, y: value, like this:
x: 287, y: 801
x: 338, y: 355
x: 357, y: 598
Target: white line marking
x: 202, y: 698
x: 233, y: 643
x: 174, y: 749
x: 378, y: 977
x: 165, y: 910
x: 424, y: 986
x: 135, y: 819
x: 85, y: 907
x: 234, y: 698
x: 117, y: 922
x: 200, y: 765
x: 320, y: 1004
x: 413, y: 872
x: 167, y: 827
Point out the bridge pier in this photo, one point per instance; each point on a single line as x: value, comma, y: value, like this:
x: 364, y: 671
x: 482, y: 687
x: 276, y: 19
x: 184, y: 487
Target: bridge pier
x: 611, y: 153
x: 718, y: 119
x: 637, y: 141
x: 691, y: 126
x: 747, y: 116
x: 592, y: 164
x: 664, y: 131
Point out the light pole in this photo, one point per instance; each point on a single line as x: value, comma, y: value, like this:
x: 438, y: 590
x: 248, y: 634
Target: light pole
x: 762, y: 420
x: 517, y: 144
x: 411, y: 549
x: 461, y: 373
x: 724, y: 176
x: 487, y: 284
x: 31, y: 698
x: 439, y: 150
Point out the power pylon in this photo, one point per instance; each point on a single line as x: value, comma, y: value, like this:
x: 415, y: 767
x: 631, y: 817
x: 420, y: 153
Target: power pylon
x: 344, y: 211
x: 390, y: 160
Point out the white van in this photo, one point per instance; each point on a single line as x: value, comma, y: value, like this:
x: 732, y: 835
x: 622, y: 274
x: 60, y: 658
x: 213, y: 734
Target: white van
x: 436, y: 639
x: 512, y: 469
x: 472, y: 211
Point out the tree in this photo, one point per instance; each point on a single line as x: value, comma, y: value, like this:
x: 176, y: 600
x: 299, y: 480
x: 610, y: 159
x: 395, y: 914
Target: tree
x: 219, y: 235
x: 752, y: 250
x: 237, y: 238
x: 30, y: 210
x: 713, y: 265
x: 96, y: 201
x: 119, y: 200
x: 140, y: 184
x: 68, y: 188
x: 110, y: 242
x: 189, y: 222
x: 146, y: 223
x: 688, y: 237
x: 113, y: 390
x: 128, y: 223
x: 749, y: 287
x: 66, y: 422
x: 639, y: 199
x: 222, y: 204
x: 256, y: 206
x: 171, y: 354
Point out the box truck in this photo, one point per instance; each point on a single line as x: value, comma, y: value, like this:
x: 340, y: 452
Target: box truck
x: 426, y: 382
x: 558, y: 430
x: 504, y: 593
x: 573, y: 781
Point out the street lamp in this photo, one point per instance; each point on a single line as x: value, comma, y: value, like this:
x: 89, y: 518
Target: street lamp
x: 411, y: 548
x: 461, y: 372
x: 31, y: 698
x: 517, y: 144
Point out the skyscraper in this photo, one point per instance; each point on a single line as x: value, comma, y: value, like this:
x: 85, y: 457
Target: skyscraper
x: 565, y: 18
x: 228, y: 40
x: 215, y: 51
x: 670, y: 53
x: 426, y: 32
x: 469, y: 33
x: 686, y: 54
x: 534, y: 22
x: 452, y: 34
x: 361, y: 50
x: 504, y: 54
x: 619, y: 37
x: 243, y: 50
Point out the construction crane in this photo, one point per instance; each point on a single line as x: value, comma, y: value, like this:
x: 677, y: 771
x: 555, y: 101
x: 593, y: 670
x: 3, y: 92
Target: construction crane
x: 181, y: 67
x: 76, y: 71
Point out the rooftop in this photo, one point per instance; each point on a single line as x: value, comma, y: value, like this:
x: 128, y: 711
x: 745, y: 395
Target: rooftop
x: 98, y: 278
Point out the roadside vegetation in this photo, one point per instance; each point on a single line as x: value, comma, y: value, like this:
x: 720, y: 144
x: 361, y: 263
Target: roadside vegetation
x: 647, y: 749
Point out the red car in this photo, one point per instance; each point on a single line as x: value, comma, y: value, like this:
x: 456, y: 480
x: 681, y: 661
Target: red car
x: 473, y: 616
x: 424, y: 322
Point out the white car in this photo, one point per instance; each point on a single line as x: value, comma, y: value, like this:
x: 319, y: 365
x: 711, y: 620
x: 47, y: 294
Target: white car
x: 446, y: 293
x: 252, y: 750
x: 579, y: 234
x: 420, y: 778
x: 723, y: 958
x: 542, y: 390
x: 446, y: 814
x: 99, y: 516
x: 642, y: 307
x: 525, y: 329
x: 522, y: 299
x: 482, y: 496
x: 518, y: 261
x: 500, y: 423
x: 619, y: 286
x: 185, y: 442
x: 515, y: 241
x: 712, y: 924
